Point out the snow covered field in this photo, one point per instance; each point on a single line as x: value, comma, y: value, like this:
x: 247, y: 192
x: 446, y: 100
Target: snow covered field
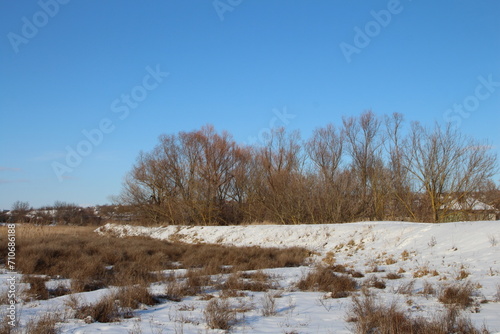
x: 425, y: 254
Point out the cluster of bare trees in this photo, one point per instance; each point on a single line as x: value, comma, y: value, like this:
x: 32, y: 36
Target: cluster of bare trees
x: 369, y: 168
x: 61, y: 213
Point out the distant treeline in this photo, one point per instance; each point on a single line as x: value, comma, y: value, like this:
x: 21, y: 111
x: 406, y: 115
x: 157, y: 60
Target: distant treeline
x: 63, y: 213
x: 367, y: 168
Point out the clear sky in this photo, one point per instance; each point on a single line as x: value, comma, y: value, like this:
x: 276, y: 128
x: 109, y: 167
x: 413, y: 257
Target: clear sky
x: 124, y: 72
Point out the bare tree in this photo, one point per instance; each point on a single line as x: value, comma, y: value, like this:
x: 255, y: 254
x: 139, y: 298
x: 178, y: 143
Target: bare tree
x: 447, y: 166
x: 364, y: 144
x: 360, y: 172
x: 402, y: 198
x: 19, y: 211
x: 325, y: 150
x: 278, y: 176
x: 189, y: 178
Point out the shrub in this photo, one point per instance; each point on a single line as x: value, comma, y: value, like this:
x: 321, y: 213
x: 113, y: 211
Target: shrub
x: 393, y: 276
x: 374, y: 282
x: 324, y: 279
x: 370, y: 316
x: 44, y: 324
x: 406, y: 288
x: 428, y: 289
x: 133, y: 296
x: 268, y: 305
x: 459, y: 295
x: 219, y: 315
x: 37, y: 289
x: 104, y: 310
x: 497, y: 294
x: 257, y: 282
x: 5, y: 327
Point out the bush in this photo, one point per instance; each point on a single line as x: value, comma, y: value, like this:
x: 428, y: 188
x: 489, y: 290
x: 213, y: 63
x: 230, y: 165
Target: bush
x: 178, y: 288
x: 104, y: 310
x: 324, y: 279
x: 133, y: 296
x: 393, y: 276
x: 370, y: 316
x: 37, y: 289
x: 268, y: 305
x: 256, y: 282
x: 45, y: 324
x: 374, y: 282
x: 459, y: 295
x: 219, y: 315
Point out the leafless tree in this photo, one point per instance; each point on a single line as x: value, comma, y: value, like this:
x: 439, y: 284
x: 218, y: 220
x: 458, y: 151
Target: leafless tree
x: 19, y: 211
x: 361, y: 171
x: 194, y: 178
x: 364, y: 144
x: 446, y: 166
x: 402, y: 198
x: 278, y: 176
x: 325, y: 150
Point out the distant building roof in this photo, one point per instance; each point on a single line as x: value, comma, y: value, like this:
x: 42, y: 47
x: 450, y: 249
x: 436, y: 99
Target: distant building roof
x: 468, y: 204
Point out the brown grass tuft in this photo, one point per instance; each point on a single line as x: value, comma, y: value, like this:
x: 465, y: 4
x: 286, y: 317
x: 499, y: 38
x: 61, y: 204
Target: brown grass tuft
x: 44, y: 324
x: 251, y: 282
x: 393, y: 276
x: 37, y: 288
x: 370, y: 316
x: 374, y: 282
x: 219, y: 315
x: 325, y: 279
x: 458, y: 295
x: 104, y: 310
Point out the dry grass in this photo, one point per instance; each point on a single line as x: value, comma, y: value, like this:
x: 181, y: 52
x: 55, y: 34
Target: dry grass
x: 457, y: 295
x: 132, y: 297
x: 370, y: 316
x: 497, y: 294
x: 428, y: 289
x: 268, y: 305
x: 393, y: 276
x: 4, y: 297
x: 462, y: 274
x: 424, y: 271
x: 219, y: 314
x: 94, y: 262
x: 374, y: 282
x: 44, y: 324
x: 37, y: 288
x: 191, y: 284
x: 325, y: 279
x: 5, y: 327
x: 406, y: 288
x: 112, y: 306
x: 104, y: 310
x: 251, y: 282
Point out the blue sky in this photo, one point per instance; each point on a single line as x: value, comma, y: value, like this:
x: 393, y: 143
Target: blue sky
x: 135, y: 70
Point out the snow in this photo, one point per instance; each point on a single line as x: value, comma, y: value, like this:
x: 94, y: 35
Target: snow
x: 470, y: 204
x: 448, y: 249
